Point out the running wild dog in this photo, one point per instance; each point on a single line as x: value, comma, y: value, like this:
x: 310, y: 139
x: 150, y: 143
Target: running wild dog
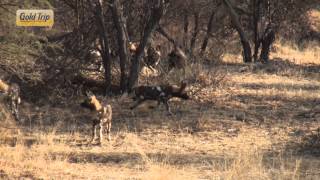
x: 103, y: 116
x: 162, y: 94
x: 13, y: 92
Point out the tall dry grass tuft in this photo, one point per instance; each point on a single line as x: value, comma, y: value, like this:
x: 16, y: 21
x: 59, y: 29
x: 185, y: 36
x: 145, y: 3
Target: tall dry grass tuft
x: 306, y: 53
x: 257, y: 165
x: 247, y: 165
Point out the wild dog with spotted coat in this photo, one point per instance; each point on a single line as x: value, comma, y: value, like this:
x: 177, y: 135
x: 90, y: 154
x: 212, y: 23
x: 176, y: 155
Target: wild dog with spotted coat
x: 153, y: 57
x: 177, y: 59
x: 152, y: 54
x: 13, y: 92
x: 162, y: 94
x: 103, y: 116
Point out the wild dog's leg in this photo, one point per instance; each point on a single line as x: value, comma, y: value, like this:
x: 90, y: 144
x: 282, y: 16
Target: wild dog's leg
x: 150, y: 67
x: 107, y: 127
x: 14, y: 94
x: 93, y: 137
x: 166, y: 102
x: 94, y: 129
x: 14, y: 108
x: 139, y: 101
x: 109, y: 130
x: 102, y: 124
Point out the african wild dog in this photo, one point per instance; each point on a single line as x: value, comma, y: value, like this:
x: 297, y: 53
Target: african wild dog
x: 133, y: 47
x: 103, y: 116
x: 13, y: 92
x: 162, y: 94
x: 152, y: 55
x: 176, y: 59
x: 94, y: 56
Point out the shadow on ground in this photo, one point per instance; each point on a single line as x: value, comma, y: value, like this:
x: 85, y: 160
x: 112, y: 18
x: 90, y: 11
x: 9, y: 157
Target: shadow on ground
x: 133, y: 160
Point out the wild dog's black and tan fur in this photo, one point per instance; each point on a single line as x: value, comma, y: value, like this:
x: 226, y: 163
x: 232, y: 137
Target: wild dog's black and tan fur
x: 103, y: 116
x: 153, y: 57
x: 176, y: 59
x: 13, y: 92
x: 162, y: 94
x: 152, y: 54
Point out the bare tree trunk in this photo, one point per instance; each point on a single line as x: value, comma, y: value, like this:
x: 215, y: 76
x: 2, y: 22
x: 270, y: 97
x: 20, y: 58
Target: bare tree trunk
x: 243, y: 37
x: 256, y: 17
x: 167, y: 36
x: 268, y: 36
x: 170, y: 39
x: 267, y: 40
x: 194, y: 33
x: 209, y: 29
x: 264, y: 34
x: 185, y: 29
x: 106, y: 58
x: 155, y: 17
x: 79, y: 14
x: 118, y: 19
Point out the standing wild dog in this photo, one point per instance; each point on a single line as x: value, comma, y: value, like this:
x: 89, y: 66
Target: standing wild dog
x: 162, y: 94
x: 103, y: 116
x: 177, y: 59
x: 152, y: 54
x: 13, y: 92
x: 153, y: 57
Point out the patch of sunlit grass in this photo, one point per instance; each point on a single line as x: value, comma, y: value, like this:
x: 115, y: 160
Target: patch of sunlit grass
x: 310, y: 53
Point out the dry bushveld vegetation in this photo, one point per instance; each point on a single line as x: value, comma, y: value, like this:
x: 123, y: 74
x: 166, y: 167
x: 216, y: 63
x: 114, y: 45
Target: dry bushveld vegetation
x: 243, y: 120
x: 259, y: 124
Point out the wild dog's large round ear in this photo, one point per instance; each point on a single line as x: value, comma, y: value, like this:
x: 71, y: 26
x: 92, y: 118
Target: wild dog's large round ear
x: 133, y: 46
x: 183, y: 85
x: 158, y: 47
x: 89, y: 93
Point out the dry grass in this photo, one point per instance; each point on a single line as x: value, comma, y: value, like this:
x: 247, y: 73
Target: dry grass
x: 163, y: 155
x: 309, y: 54
x: 252, y: 131
x: 262, y: 124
